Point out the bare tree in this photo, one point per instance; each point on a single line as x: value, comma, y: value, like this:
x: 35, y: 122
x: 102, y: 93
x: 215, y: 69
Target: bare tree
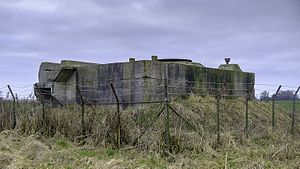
x: 286, y: 95
x: 265, y: 96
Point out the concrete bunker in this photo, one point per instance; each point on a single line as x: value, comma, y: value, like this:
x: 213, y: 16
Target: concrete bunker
x: 138, y: 80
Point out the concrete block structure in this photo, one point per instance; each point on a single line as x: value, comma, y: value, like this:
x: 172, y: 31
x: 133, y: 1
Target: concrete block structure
x: 139, y: 80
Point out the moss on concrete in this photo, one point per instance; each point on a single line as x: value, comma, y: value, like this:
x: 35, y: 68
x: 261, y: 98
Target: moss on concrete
x: 140, y: 79
x: 74, y: 64
x: 232, y: 67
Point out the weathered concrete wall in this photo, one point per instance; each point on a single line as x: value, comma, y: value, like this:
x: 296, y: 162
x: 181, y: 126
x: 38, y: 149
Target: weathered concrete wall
x: 70, y: 88
x: 59, y: 91
x: 139, y: 81
x: 48, y: 71
x: 183, y: 78
x: 95, y: 81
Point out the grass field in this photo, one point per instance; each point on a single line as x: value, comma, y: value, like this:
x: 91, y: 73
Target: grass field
x: 32, y: 145
x: 272, y: 151
x: 288, y: 104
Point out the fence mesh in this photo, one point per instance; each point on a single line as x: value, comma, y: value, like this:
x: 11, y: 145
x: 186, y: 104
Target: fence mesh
x: 171, y: 119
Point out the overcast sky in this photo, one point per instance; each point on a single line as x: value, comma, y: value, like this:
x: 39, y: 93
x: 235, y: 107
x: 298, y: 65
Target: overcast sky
x: 263, y: 36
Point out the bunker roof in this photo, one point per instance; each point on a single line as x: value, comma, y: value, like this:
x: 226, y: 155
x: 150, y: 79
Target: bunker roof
x: 67, y: 67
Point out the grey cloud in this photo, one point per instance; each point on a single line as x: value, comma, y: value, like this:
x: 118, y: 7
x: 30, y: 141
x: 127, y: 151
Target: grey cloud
x: 261, y: 36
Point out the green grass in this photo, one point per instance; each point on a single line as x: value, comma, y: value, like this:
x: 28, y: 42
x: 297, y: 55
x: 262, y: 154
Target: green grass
x: 264, y: 148
x: 111, y: 152
x: 62, y: 143
x: 88, y: 153
x: 108, y: 153
x: 288, y: 104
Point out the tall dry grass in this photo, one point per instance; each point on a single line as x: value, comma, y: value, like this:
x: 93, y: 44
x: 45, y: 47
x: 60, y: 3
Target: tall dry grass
x: 50, y: 144
x: 142, y: 128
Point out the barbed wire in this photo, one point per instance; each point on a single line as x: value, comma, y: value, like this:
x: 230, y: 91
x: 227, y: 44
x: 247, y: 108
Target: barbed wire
x: 98, y: 92
x: 276, y: 85
x: 123, y: 92
x: 203, y: 82
x: 262, y: 90
x: 158, y: 88
x: 125, y: 87
x: 29, y: 91
x: 176, y: 80
x: 4, y: 87
x: 22, y: 87
x: 203, y: 88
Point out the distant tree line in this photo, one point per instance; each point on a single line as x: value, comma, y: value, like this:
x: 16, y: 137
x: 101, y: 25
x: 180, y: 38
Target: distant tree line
x: 282, y: 95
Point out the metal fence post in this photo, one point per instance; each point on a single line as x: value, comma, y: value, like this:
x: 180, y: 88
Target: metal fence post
x: 82, y: 111
x: 118, y: 116
x: 247, y: 113
x: 167, y: 115
x: 43, y: 103
x: 247, y: 99
x: 218, y: 118
x: 219, y: 96
x: 2, y: 114
x: 13, y: 118
x: 294, y: 110
x: 273, y: 107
